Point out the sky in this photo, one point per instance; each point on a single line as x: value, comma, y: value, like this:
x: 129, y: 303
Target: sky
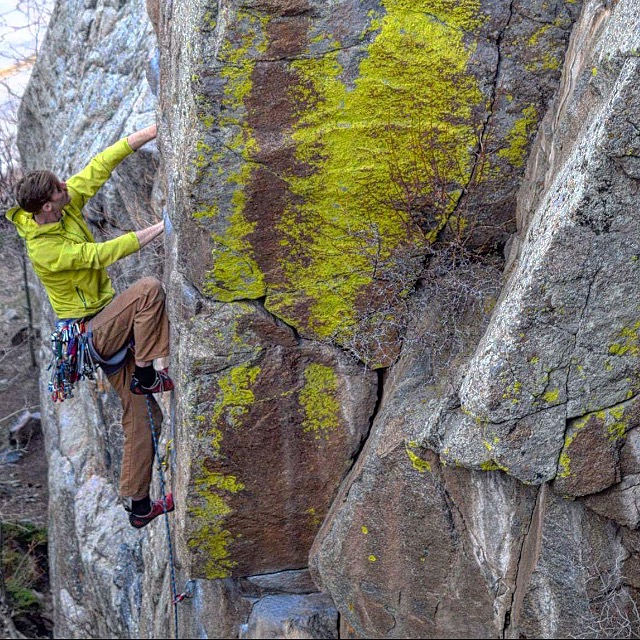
x: 22, y: 28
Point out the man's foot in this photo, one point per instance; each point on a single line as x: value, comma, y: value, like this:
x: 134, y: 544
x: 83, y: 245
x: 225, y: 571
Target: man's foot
x: 157, y: 509
x: 161, y: 383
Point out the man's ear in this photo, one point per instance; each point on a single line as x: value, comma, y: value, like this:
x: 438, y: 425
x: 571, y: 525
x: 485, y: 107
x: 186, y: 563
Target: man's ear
x: 46, y: 207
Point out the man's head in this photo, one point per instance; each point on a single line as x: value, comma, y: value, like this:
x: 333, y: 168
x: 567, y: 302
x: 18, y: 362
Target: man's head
x: 41, y: 193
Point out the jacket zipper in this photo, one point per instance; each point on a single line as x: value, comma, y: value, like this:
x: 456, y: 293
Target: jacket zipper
x: 81, y: 296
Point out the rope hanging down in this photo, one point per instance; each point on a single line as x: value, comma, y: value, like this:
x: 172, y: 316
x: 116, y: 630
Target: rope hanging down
x: 175, y: 598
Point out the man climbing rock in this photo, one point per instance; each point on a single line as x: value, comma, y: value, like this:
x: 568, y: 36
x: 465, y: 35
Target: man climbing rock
x: 71, y: 267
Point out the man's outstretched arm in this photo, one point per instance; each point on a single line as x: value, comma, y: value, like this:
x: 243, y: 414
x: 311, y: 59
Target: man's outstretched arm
x: 85, y: 184
x: 93, y: 255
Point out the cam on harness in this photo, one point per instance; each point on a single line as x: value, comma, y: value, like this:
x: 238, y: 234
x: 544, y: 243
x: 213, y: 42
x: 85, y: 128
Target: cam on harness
x: 74, y: 357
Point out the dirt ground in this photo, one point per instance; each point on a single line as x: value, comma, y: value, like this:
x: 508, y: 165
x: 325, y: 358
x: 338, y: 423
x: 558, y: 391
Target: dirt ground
x: 23, y: 465
x: 23, y: 484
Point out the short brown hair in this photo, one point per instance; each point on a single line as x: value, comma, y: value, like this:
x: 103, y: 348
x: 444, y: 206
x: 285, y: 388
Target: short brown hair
x: 35, y: 190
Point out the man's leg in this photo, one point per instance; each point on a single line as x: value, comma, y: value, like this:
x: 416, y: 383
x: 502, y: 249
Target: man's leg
x: 137, y: 459
x: 138, y: 313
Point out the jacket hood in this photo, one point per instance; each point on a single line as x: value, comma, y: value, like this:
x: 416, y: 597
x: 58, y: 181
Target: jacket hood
x: 27, y: 227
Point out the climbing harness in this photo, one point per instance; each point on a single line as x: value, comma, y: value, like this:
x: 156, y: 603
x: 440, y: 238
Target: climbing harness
x: 75, y: 358
x: 176, y: 599
x: 71, y: 358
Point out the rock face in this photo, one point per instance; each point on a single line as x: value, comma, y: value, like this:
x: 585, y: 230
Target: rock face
x: 367, y: 388
x: 548, y: 398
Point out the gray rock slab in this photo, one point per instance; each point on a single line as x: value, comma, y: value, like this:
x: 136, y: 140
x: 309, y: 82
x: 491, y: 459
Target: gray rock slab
x: 293, y: 616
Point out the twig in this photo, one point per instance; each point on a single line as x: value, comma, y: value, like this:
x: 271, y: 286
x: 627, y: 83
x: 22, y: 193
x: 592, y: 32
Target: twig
x: 30, y: 409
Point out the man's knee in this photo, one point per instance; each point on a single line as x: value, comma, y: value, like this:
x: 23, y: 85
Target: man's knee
x: 152, y: 287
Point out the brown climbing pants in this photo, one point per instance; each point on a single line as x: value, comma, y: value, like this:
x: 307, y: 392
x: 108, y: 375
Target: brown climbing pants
x: 136, y: 313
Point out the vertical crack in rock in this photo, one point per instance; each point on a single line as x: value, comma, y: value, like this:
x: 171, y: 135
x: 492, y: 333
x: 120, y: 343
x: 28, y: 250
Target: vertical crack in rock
x: 508, y: 613
x: 490, y: 111
x: 380, y: 390
x: 571, y: 358
x: 342, y: 497
x: 372, y: 418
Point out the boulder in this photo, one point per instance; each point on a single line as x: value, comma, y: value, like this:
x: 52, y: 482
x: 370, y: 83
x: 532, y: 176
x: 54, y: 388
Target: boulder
x: 292, y: 616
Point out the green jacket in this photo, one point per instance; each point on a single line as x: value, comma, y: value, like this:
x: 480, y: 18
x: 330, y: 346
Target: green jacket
x: 66, y: 258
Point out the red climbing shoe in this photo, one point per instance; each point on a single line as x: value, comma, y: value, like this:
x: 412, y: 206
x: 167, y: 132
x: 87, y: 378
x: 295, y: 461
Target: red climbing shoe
x: 162, y: 383
x: 157, y: 509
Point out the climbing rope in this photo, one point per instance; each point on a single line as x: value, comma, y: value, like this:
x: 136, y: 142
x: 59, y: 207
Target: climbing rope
x: 176, y: 599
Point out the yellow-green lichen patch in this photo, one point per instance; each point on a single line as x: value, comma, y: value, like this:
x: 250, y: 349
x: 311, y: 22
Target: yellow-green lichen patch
x: 314, y: 519
x: 551, y: 397
x: 536, y: 35
x: 214, y: 489
x: 519, y: 137
x: 492, y: 465
x: 512, y: 392
x: 613, y: 422
x: 235, y: 274
x: 235, y: 396
x: 319, y: 401
x: 397, y: 141
x: 211, y: 538
x: 364, y: 530
x: 628, y: 341
x: 245, y: 43
x: 564, y: 464
x: 416, y: 461
x: 542, y: 55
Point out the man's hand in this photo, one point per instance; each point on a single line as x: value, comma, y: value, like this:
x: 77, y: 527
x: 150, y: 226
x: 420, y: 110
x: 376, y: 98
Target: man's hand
x: 145, y: 236
x: 137, y: 139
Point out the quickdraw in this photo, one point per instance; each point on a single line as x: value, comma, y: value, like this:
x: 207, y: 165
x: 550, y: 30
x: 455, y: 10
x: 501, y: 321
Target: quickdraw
x: 189, y: 588
x: 71, y: 359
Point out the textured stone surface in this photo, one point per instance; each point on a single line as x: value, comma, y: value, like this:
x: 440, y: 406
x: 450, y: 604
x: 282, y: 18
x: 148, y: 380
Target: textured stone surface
x: 408, y: 523
x: 570, y: 565
x: 272, y: 427
x: 284, y: 581
x: 548, y: 393
x: 306, y: 126
x: 562, y: 341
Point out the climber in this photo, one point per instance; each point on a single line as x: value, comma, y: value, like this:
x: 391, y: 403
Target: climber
x: 71, y: 267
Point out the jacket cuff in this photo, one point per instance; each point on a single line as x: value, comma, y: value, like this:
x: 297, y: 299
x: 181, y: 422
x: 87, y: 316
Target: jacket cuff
x: 132, y: 242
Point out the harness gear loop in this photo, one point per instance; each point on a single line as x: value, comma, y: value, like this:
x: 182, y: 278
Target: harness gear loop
x: 174, y: 592
x: 71, y: 358
x: 74, y: 358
